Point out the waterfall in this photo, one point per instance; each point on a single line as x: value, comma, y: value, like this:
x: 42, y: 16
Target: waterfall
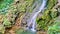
x: 31, y: 23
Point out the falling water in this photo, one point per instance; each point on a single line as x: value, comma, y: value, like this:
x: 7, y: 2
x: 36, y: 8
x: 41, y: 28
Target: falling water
x: 32, y: 19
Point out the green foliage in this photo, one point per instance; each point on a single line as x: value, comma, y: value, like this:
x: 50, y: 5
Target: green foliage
x: 53, y: 13
x: 26, y: 5
x: 55, y: 29
x: 46, y: 19
x: 51, y: 3
x: 2, y: 29
x: 48, y: 16
x: 6, y: 22
x: 4, y: 4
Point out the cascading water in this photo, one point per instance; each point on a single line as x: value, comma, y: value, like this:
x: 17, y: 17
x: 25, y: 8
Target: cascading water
x: 32, y: 19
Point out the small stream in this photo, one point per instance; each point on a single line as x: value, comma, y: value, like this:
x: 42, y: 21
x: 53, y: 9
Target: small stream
x: 31, y: 23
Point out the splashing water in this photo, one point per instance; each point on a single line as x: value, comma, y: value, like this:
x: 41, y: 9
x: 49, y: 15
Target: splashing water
x: 32, y: 19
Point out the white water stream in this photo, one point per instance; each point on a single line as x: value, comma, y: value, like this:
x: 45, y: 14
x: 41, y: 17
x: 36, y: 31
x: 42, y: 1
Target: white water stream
x: 32, y: 19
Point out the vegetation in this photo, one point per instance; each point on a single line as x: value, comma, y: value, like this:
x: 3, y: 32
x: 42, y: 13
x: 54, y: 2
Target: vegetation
x: 48, y: 16
x: 55, y: 29
x: 13, y: 13
x: 4, y: 4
